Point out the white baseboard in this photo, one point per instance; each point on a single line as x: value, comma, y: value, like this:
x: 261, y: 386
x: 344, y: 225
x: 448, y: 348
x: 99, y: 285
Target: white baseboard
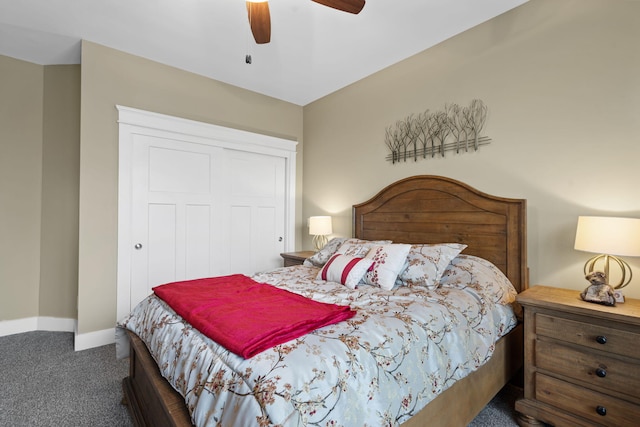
x: 18, y: 326
x: 94, y: 339
x: 56, y: 324
x: 29, y: 324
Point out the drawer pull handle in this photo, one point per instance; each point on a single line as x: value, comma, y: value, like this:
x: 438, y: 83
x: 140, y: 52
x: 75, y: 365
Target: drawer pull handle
x: 601, y: 339
x: 601, y: 372
x: 601, y: 410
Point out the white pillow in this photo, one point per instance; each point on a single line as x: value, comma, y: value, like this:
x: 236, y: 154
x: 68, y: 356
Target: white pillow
x: 344, y: 269
x: 426, y: 264
x: 321, y: 257
x: 388, y: 261
x: 471, y: 272
x: 359, y: 248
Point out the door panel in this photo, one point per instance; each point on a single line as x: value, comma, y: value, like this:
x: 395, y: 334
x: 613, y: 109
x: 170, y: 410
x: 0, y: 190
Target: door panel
x: 161, y: 244
x: 268, y: 239
x: 172, y: 203
x: 198, y: 240
x: 257, y: 189
x: 240, y: 249
x: 174, y: 170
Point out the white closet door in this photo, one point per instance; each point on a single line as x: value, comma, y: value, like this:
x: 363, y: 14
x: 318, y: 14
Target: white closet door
x: 198, y: 200
x: 174, y: 222
x: 256, y: 211
x: 202, y: 211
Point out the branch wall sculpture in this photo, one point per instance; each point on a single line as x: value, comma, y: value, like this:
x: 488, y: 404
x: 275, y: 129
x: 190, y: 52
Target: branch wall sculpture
x: 427, y: 134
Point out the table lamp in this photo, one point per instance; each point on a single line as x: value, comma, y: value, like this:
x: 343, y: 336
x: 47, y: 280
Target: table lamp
x: 609, y: 237
x: 320, y: 228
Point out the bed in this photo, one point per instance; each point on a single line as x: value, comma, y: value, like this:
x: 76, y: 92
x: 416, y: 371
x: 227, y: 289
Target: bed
x: 418, y: 210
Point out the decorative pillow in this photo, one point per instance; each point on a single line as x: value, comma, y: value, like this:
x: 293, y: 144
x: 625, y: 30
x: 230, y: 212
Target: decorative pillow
x: 321, y: 257
x: 481, y: 275
x: 359, y: 248
x: 345, y: 269
x: 388, y: 261
x: 426, y: 264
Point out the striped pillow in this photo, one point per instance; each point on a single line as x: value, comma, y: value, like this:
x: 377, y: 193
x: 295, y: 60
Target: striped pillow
x: 345, y: 269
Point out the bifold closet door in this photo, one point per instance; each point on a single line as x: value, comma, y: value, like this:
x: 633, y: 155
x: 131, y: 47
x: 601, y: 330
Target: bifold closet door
x: 200, y: 210
x: 197, y: 199
x: 256, y: 211
x: 173, y: 218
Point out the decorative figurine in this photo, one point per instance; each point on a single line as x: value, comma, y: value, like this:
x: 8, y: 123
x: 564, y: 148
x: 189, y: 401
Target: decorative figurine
x: 598, y: 291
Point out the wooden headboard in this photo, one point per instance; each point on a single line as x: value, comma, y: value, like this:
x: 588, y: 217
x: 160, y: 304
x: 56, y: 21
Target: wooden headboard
x: 435, y: 209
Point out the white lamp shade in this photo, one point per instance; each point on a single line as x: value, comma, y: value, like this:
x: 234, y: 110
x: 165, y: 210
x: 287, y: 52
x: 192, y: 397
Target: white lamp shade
x: 320, y: 225
x: 608, y: 235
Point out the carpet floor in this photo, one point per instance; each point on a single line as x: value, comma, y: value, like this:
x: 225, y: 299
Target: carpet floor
x: 47, y: 383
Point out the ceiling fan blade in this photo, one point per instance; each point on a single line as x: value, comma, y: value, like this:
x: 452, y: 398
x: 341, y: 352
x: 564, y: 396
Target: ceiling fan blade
x: 351, y: 6
x: 260, y: 21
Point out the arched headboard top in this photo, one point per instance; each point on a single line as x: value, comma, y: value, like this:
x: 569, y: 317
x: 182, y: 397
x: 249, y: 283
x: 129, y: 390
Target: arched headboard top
x: 436, y: 209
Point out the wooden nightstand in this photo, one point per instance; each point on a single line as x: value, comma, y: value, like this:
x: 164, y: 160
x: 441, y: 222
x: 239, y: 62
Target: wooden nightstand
x: 295, y: 258
x: 582, y: 360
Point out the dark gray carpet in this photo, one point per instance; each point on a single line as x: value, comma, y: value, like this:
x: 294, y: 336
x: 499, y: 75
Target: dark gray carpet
x: 500, y: 411
x: 46, y: 383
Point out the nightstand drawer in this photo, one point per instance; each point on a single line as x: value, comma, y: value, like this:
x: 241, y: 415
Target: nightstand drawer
x: 288, y: 262
x: 585, y: 403
x: 295, y: 258
x: 604, y: 338
x: 589, y: 366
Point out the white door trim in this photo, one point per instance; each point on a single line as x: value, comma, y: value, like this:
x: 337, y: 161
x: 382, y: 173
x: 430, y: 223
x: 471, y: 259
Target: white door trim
x: 139, y: 122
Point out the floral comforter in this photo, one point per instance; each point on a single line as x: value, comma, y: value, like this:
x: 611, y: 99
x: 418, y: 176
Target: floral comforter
x: 401, y: 349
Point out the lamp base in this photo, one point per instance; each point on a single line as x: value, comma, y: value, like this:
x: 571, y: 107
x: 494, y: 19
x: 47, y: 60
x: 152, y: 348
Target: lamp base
x: 320, y: 241
x: 589, y: 267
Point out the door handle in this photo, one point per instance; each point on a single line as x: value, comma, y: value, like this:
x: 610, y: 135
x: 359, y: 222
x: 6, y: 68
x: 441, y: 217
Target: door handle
x: 138, y: 246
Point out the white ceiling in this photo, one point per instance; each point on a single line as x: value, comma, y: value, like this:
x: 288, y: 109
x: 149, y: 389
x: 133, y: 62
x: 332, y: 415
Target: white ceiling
x: 314, y: 50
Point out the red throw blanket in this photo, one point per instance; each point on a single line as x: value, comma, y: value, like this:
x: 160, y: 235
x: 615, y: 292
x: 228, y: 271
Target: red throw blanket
x: 245, y: 316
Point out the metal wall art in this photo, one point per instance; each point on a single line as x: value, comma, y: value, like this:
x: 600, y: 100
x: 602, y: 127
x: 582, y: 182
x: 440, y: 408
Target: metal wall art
x: 429, y: 133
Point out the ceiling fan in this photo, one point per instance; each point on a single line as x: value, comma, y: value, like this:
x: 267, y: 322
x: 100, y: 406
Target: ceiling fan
x: 260, y: 20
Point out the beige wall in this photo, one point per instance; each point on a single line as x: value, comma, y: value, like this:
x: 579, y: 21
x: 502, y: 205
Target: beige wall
x: 110, y: 77
x: 60, y: 180
x: 21, y: 109
x: 39, y: 150
x: 561, y: 79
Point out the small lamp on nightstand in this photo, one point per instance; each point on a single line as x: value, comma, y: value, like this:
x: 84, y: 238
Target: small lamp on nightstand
x: 320, y: 228
x: 609, y: 236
